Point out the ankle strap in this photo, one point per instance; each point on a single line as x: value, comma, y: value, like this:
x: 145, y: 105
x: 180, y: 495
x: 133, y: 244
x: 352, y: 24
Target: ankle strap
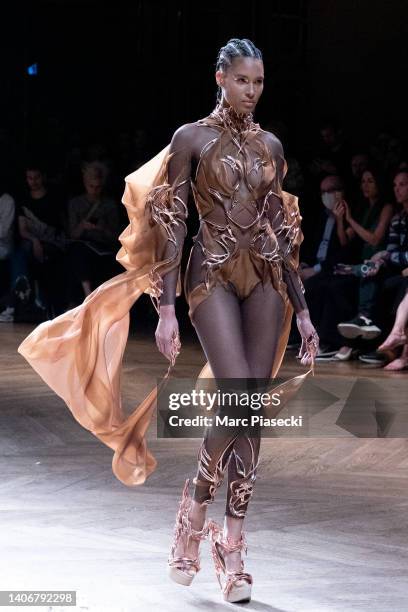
x: 196, y: 534
x: 227, y: 543
x: 183, y: 524
x: 231, y: 545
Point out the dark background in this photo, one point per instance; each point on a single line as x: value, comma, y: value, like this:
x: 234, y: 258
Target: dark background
x: 114, y: 65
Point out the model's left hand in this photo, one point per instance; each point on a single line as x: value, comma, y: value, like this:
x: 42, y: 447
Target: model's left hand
x: 310, y: 339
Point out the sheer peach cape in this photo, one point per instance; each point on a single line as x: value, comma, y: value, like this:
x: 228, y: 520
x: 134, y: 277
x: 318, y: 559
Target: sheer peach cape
x: 79, y: 353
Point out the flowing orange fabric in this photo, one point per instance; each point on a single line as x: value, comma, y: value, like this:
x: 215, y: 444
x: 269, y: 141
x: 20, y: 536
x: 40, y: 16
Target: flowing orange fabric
x: 79, y: 353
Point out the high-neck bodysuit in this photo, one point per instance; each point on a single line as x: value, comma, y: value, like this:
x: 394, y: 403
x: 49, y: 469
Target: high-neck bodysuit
x: 248, y: 231
x: 246, y: 235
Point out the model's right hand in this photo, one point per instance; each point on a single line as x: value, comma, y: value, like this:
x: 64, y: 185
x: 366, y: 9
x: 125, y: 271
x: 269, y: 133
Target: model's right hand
x: 167, y: 329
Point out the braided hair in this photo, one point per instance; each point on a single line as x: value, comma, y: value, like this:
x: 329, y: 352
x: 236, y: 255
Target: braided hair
x: 235, y: 47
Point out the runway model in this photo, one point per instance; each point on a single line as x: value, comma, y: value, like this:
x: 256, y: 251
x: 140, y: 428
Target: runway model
x: 241, y: 284
x: 237, y: 281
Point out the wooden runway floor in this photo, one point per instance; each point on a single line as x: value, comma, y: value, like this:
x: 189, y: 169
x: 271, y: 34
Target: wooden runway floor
x: 326, y: 528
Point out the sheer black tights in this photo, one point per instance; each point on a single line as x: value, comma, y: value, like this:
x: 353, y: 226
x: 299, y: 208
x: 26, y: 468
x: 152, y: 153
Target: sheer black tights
x: 239, y: 338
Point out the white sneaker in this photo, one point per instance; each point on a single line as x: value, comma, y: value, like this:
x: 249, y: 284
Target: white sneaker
x: 7, y: 316
x: 345, y: 355
x: 359, y: 326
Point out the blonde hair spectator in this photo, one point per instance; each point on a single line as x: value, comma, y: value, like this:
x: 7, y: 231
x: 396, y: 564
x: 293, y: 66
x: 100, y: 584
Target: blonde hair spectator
x: 94, y: 170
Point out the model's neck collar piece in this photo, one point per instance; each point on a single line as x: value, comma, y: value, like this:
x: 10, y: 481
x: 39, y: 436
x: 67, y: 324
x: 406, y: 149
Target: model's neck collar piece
x: 229, y: 118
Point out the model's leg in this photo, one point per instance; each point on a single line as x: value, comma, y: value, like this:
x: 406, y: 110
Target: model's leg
x: 217, y: 321
x: 262, y: 319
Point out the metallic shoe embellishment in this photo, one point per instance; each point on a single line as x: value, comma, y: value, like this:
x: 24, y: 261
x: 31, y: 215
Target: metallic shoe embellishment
x: 182, y: 569
x: 236, y: 586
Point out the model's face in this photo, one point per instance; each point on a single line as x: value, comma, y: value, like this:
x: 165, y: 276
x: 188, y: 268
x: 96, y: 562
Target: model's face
x: 242, y: 83
x: 401, y: 188
x: 369, y: 185
x: 35, y: 180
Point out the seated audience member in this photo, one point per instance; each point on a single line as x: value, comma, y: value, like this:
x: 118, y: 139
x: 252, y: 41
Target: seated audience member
x: 7, y: 215
x: 93, y: 229
x: 387, y: 267
x: 371, y: 230
x: 334, y: 147
x: 359, y: 163
x: 41, y: 215
x: 317, y: 272
x: 325, y: 249
x: 39, y: 255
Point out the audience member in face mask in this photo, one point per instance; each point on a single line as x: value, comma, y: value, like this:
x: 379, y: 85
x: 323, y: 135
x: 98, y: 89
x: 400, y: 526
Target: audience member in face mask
x: 316, y: 270
x: 330, y: 199
x: 326, y: 248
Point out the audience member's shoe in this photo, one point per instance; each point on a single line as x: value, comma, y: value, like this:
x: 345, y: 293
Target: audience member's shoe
x: 324, y: 353
x: 7, y: 316
x: 22, y: 289
x: 346, y: 353
x: 359, y: 326
x: 374, y: 357
x: 325, y: 356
